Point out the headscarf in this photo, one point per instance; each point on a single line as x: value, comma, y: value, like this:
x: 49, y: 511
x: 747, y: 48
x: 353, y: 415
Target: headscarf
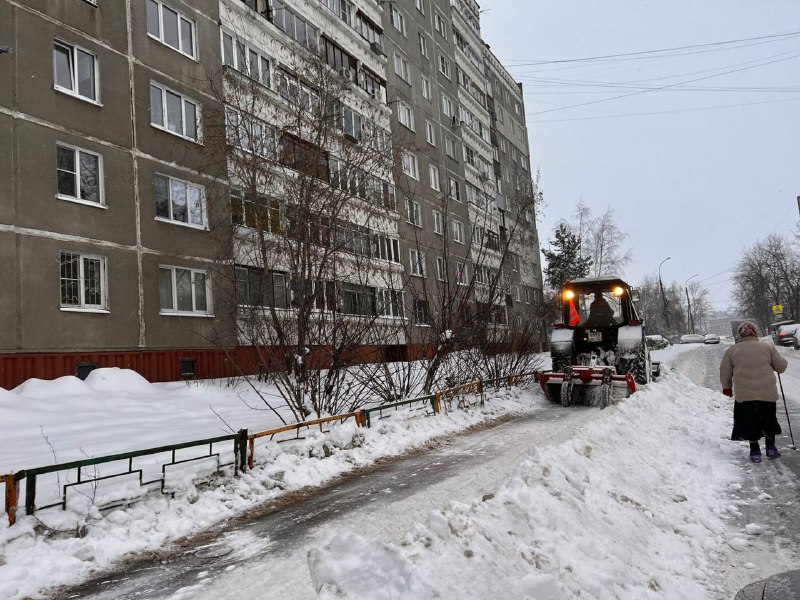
x: 747, y: 329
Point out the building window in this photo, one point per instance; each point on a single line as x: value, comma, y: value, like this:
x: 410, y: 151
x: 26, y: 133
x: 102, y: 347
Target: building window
x: 171, y: 27
x: 461, y: 273
x: 74, y: 71
x: 80, y: 174
x: 423, y: 45
x: 184, y: 291
x: 388, y: 248
x: 409, y: 164
x: 420, y: 4
x: 358, y: 300
x: 397, y: 19
x: 527, y: 295
x: 417, y: 258
x: 441, y: 269
x: 447, y: 106
x: 402, y: 67
x: 261, y: 213
x: 413, y: 213
x: 258, y: 287
x: 453, y: 189
x: 83, y: 281
x: 421, y: 313
x: 293, y: 25
x: 390, y: 304
x: 451, y: 148
x: 433, y: 174
x: 444, y: 66
x: 174, y: 112
x: 438, y: 222
x: 426, y: 88
x: 405, y: 114
x: 458, y: 231
x: 440, y: 25
x: 244, y: 58
x: 430, y: 133
x: 179, y: 201
x: 249, y: 134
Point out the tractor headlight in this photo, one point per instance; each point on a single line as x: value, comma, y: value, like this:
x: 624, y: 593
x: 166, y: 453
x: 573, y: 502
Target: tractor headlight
x: 569, y: 294
x: 618, y: 291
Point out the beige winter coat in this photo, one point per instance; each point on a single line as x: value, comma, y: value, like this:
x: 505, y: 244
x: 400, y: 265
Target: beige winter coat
x: 748, y: 368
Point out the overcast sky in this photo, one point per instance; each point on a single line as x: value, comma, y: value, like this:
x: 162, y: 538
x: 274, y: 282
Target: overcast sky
x: 700, y: 181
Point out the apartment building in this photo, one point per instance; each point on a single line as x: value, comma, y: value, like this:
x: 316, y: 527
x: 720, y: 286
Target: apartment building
x: 103, y: 225
x: 127, y: 242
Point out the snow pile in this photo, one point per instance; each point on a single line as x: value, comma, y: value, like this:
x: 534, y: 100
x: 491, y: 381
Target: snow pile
x: 632, y: 508
x: 115, y: 410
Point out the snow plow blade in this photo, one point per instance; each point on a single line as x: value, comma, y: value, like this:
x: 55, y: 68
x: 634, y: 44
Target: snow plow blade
x: 597, y: 386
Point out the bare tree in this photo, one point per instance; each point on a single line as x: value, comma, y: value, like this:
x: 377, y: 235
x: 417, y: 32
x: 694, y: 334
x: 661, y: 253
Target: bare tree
x: 311, y: 257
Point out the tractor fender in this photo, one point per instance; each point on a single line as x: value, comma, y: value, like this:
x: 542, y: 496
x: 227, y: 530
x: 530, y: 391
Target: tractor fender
x: 630, y: 335
x: 561, y: 340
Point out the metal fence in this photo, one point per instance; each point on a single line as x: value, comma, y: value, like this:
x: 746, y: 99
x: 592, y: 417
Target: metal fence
x: 243, y: 445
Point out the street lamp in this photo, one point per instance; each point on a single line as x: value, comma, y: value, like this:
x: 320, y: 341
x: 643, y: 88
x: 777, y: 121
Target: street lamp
x: 663, y: 295
x: 689, y: 320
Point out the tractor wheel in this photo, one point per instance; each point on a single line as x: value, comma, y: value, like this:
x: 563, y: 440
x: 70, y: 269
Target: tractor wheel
x: 604, y: 396
x: 566, y: 394
x: 553, y: 392
x: 639, y: 365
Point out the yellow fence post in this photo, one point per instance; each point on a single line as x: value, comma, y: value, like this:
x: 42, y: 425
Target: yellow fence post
x: 437, y: 403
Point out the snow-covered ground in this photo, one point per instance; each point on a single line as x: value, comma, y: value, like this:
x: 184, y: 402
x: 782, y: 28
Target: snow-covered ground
x: 642, y: 502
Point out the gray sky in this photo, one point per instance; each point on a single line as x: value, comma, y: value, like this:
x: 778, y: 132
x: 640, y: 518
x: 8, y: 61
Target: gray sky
x: 696, y: 185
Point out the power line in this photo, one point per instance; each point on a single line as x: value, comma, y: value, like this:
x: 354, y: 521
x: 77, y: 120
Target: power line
x: 648, y: 52
x: 670, y: 85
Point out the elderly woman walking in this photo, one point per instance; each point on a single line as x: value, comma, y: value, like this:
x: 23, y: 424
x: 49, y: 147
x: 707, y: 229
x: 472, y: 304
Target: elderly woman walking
x: 746, y: 374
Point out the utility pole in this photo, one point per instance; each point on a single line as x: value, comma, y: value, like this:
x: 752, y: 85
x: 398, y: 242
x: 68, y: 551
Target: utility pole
x: 689, y: 319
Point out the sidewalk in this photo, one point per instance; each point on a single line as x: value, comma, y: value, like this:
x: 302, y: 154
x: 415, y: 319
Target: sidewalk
x: 783, y: 586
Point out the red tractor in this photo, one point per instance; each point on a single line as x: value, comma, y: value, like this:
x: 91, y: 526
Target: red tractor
x: 598, y: 349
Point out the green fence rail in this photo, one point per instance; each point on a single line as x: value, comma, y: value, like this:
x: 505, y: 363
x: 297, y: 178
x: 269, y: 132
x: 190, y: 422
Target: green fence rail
x: 30, y: 475
x: 241, y: 442
x: 423, y: 400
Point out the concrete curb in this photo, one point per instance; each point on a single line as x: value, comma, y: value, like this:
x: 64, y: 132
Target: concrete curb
x: 783, y: 586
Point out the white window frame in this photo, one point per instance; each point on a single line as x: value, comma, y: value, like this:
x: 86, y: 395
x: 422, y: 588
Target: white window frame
x: 450, y: 148
x: 420, y: 5
x: 426, y: 88
x: 441, y: 269
x: 417, y: 262
x: 423, y: 44
x: 405, y: 115
x: 447, y: 106
x: 73, y: 90
x: 445, y: 67
x: 397, y: 19
x: 189, y: 213
x: 433, y: 176
x: 160, y: 37
x: 264, y: 78
x: 402, y: 67
x: 413, y: 213
x: 438, y: 222
x: 457, y: 231
x: 164, y: 126
x: 82, y: 306
x: 453, y: 184
x: 430, y: 133
x: 100, y: 177
x: 410, y: 164
x: 440, y: 25
x: 195, y: 312
x: 463, y: 279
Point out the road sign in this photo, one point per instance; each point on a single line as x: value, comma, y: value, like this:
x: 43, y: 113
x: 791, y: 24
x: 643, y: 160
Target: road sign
x: 777, y: 309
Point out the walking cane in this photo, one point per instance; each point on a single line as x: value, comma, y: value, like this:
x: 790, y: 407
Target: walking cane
x: 793, y: 447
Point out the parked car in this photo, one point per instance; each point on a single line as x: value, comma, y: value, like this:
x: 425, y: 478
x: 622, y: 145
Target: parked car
x: 789, y: 335
x: 711, y: 338
x: 775, y: 327
x: 656, y: 342
x: 692, y: 338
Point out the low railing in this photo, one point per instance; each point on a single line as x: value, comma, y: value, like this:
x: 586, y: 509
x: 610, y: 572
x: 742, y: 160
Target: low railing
x: 296, y: 427
x: 243, y: 445
x: 30, y: 475
x: 423, y: 401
